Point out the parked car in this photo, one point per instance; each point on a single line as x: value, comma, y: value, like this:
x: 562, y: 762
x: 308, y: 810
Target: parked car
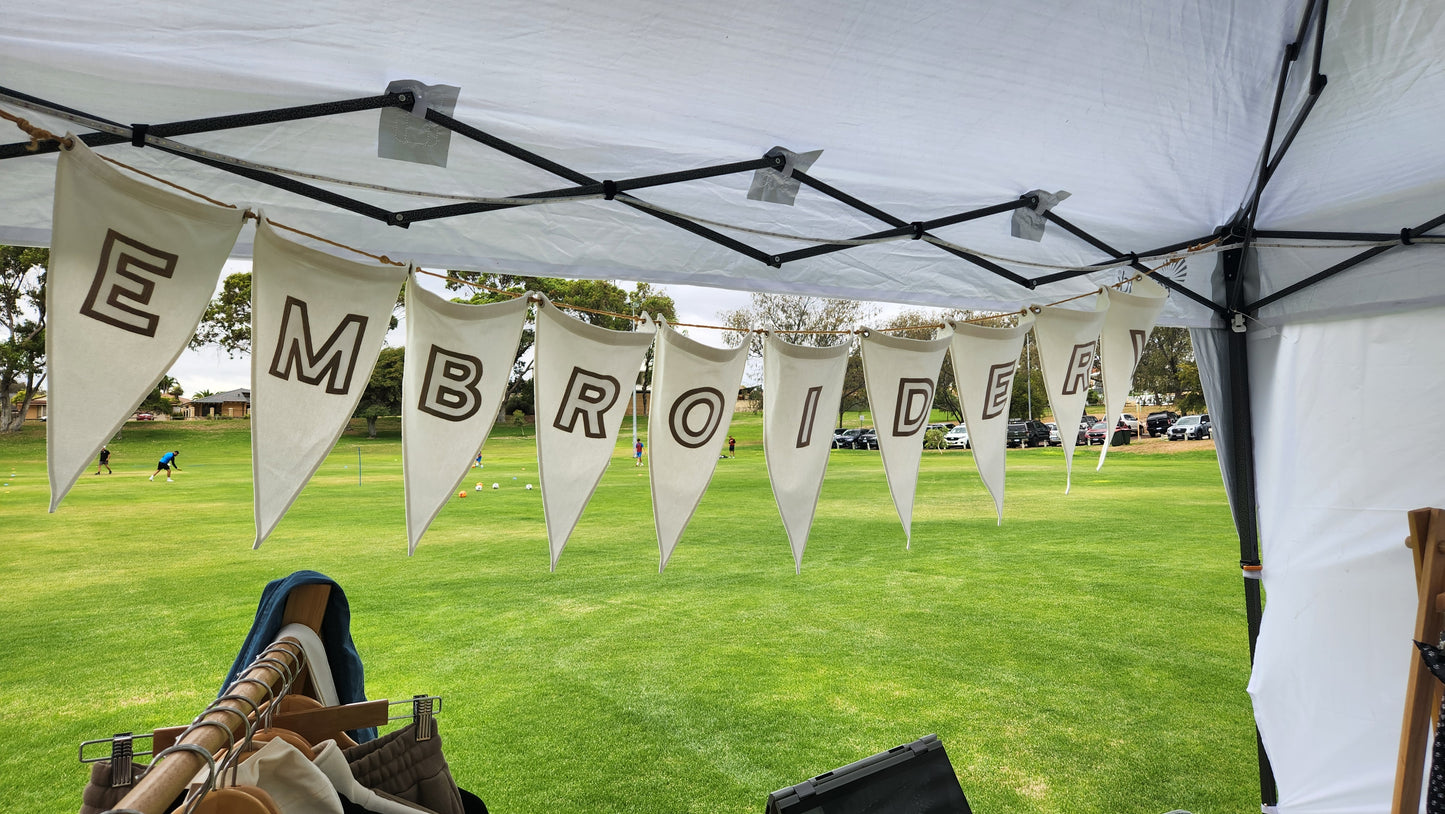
x: 1097, y: 433
x: 1083, y: 436
x: 144, y: 417
x: 866, y: 439
x: 1190, y: 428
x: 1091, y: 420
x: 1054, y: 438
x: 1158, y: 423
x: 957, y: 438
x: 1132, y: 422
x: 1030, y: 433
x: 844, y: 439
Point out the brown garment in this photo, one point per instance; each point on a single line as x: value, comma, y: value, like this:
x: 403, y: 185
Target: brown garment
x: 402, y: 766
x: 99, y: 795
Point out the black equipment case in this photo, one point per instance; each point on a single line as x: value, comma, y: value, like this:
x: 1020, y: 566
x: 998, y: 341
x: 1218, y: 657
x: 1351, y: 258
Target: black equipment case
x: 915, y: 778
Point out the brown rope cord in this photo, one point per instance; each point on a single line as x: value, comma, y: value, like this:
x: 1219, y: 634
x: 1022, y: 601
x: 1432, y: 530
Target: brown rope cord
x: 160, y: 180
x: 36, y: 134
x: 381, y: 258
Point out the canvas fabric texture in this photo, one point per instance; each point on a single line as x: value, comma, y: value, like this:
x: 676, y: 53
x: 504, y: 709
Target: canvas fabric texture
x: 695, y: 391
x: 1130, y: 320
x: 317, y: 324
x: 132, y: 268
x: 985, y: 363
x: 804, y: 385
x: 458, y: 362
x: 584, y: 380
x: 1066, y: 340
x: 901, y: 375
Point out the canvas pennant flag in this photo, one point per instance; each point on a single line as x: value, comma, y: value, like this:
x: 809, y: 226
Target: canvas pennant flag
x: 696, y: 389
x: 1126, y: 329
x: 802, y: 387
x: 1066, y: 340
x: 132, y: 268
x: 985, y: 363
x: 458, y: 362
x: 584, y: 381
x: 317, y: 323
x: 901, y: 375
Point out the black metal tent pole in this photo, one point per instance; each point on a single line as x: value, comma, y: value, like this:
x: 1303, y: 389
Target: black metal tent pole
x: 1135, y: 264
x: 504, y: 146
x: 1404, y: 238
x: 869, y: 209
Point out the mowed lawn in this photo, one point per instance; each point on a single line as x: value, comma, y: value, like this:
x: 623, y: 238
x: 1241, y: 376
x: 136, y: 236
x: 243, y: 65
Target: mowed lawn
x: 1089, y: 655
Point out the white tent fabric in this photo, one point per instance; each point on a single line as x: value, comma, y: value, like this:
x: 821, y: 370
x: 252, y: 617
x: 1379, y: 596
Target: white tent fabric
x: 1335, y: 484
x: 1153, y: 115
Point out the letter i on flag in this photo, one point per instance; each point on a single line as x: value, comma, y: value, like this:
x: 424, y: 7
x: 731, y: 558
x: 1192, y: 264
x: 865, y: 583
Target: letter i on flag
x: 1066, y: 355
x: 317, y: 323
x: 697, y: 386
x: 985, y: 363
x: 584, y: 380
x: 1126, y: 330
x: 132, y: 267
x: 901, y: 375
x: 801, y: 390
x: 458, y: 360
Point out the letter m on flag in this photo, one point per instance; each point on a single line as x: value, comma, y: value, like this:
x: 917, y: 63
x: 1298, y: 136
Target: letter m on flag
x: 333, y: 363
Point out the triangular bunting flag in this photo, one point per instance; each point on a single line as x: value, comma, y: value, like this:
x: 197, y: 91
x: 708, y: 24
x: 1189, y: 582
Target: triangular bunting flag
x: 458, y: 362
x: 697, y: 387
x: 985, y: 362
x: 1121, y: 342
x: 584, y: 378
x: 1066, y: 356
x: 901, y: 375
x: 801, y: 390
x: 317, y: 324
x: 132, y: 268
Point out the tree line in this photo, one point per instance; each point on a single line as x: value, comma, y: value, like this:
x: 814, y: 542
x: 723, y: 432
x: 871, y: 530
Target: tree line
x: 1167, y: 367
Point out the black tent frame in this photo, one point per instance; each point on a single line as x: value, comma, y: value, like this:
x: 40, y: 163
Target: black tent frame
x: 1236, y: 274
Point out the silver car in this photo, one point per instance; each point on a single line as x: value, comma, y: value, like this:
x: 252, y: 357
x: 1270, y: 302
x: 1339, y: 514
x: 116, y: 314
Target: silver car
x: 957, y: 438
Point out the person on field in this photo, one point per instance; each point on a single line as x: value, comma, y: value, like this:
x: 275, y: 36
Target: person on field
x: 637, y: 451
x: 732, y: 447
x: 104, y: 461
x: 168, y: 461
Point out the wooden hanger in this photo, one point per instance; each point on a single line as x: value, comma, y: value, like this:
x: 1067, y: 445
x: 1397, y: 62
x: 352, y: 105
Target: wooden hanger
x: 236, y: 800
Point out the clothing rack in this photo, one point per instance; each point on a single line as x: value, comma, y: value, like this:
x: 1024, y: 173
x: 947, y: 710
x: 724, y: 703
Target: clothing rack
x: 222, y: 723
x: 1422, y: 691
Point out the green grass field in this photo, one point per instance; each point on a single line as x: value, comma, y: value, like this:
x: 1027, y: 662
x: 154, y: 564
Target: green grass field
x: 1089, y: 655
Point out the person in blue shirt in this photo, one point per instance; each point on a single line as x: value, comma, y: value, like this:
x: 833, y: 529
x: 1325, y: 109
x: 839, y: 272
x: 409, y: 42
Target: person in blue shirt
x: 168, y: 461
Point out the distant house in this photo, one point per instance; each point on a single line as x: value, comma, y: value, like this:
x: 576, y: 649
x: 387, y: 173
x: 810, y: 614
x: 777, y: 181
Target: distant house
x: 181, y: 407
x: 36, y: 410
x: 230, y: 404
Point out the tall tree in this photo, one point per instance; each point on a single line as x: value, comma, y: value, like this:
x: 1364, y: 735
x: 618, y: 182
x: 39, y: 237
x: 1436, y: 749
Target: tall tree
x: 589, y: 297
x: 1167, y: 368
x: 22, y: 331
x: 826, y: 319
x: 382, y: 396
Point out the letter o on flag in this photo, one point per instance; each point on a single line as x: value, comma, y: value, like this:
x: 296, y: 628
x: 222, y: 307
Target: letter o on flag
x: 695, y: 416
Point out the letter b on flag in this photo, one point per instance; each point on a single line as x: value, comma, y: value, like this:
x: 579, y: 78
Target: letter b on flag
x: 449, y: 389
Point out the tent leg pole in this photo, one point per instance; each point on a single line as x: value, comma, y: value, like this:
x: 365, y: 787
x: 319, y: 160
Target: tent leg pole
x: 1246, y: 509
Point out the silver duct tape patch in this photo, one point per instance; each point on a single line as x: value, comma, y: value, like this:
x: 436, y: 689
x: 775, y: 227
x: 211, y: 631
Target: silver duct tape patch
x: 406, y: 135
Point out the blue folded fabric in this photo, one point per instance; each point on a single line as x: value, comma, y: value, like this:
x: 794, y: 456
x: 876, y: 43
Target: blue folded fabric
x: 335, y: 632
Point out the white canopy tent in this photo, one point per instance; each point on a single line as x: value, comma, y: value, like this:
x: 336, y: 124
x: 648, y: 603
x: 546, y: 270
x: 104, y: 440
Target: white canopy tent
x: 1169, y: 123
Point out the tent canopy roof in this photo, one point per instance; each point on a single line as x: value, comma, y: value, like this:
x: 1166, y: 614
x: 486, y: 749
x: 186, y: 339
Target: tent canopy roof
x: 1152, y: 116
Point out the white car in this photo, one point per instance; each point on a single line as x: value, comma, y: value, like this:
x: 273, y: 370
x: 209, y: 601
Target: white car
x: 1190, y: 428
x: 1054, y: 438
x: 1133, y: 423
x: 957, y: 438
